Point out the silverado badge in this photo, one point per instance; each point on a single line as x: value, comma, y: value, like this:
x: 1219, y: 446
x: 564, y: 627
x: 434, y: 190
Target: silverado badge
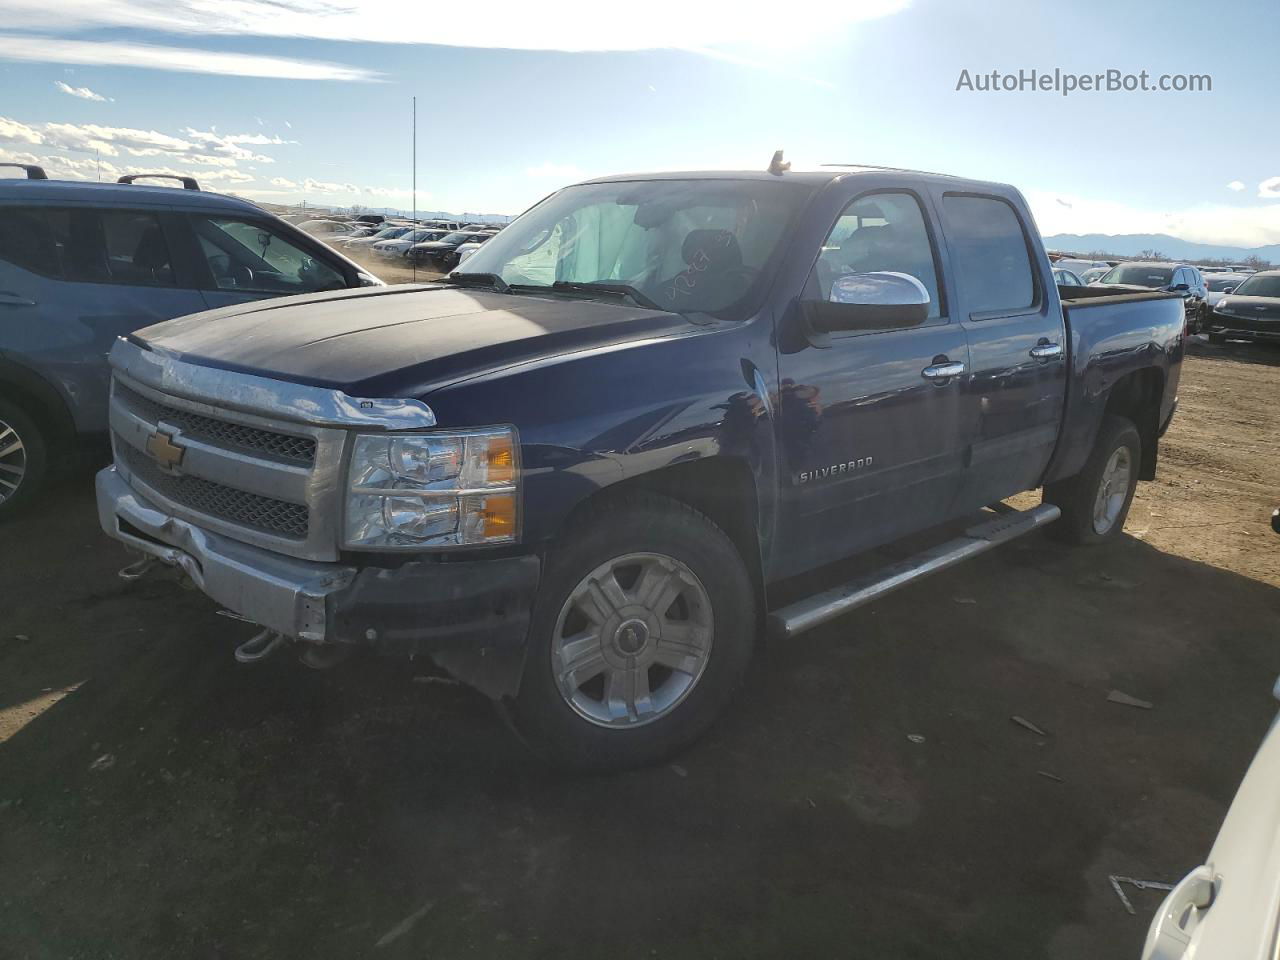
x: 164, y: 451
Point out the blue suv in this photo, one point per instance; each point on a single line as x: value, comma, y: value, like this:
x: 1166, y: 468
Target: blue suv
x: 84, y: 263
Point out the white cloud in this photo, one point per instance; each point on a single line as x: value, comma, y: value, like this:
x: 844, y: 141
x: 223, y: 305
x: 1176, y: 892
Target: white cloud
x: 187, y: 60
x: 84, y: 93
x: 1200, y: 223
x: 205, y: 148
x: 282, y: 182
x: 11, y: 131
x: 578, y: 25
x: 555, y: 171
x: 321, y: 186
x: 1269, y: 189
x: 1236, y: 185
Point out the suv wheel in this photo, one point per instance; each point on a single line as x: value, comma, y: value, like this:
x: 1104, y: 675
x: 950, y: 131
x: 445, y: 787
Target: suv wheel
x: 643, y: 628
x: 1095, y: 502
x: 22, y: 459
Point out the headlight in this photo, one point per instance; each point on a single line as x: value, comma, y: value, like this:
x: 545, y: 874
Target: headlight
x: 1224, y: 306
x: 433, y: 489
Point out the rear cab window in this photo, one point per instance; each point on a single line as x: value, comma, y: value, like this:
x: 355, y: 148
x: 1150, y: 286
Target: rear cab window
x: 990, y: 255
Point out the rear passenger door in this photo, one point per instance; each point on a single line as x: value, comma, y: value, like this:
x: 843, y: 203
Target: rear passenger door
x: 241, y: 259
x: 871, y: 435
x: 89, y: 275
x: 1016, y: 388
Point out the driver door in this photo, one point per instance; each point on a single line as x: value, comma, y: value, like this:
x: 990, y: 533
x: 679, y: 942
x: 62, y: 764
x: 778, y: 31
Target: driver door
x: 242, y: 260
x: 870, y: 420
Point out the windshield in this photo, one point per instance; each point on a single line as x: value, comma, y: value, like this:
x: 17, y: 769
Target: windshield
x: 390, y: 233
x: 1218, y: 284
x: 1255, y: 286
x: 688, y: 245
x: 1140, y: 276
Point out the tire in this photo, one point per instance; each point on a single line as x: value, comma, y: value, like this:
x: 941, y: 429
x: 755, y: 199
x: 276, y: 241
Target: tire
x: 23, y: 468
x: 1115, y: 460
x: 690, y: 648
x: 1218, y: 339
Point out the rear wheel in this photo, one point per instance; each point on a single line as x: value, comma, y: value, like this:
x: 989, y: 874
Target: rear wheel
x: 1095, y: 502
x: 643, y: 628
x: 23, y: 459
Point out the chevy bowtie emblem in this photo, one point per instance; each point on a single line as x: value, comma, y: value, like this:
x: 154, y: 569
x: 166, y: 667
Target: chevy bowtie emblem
x: 164, y: 451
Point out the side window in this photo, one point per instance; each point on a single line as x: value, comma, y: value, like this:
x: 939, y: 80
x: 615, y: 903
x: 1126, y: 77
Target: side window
x: 880, y: 232
x: 253, y: 257
x: 26, y: 241
x: 88, y: 246
x: 135, y: 248
x: 989, y: 254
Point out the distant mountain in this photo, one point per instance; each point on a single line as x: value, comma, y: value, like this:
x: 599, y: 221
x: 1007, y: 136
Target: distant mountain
x: 1132, y: 244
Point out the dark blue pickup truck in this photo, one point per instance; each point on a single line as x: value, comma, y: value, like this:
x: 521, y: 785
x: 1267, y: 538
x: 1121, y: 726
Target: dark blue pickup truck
x: 575, y: 473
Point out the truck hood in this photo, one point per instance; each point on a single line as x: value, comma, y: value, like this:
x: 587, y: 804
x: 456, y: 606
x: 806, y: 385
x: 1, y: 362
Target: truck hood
x: 399, y: 341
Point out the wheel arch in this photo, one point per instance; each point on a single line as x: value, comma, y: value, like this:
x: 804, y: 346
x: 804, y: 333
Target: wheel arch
x: 721, y: 488
x: 1136, y: 396
x: 37, y: 398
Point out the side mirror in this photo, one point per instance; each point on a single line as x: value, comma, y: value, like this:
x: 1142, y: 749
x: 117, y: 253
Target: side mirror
x: 882, y: 300
x: 1226, y: 290
x: 1180, y: 288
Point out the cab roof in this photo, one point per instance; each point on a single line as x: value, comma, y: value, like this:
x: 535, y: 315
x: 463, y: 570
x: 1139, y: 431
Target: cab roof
x: 826, y: 175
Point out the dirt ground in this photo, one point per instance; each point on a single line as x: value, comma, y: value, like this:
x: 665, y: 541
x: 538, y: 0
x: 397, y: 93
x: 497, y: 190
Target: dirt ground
x: 158, y: 800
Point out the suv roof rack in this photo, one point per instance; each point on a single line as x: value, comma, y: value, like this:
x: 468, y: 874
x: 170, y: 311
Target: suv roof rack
x: 33, y: 172
x: 188, y: 183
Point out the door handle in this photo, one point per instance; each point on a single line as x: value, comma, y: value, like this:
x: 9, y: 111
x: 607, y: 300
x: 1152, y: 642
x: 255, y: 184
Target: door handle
x: 1046, y: 351
x: 943, y: 371
x: 1168, y: 939
x: 10, y: 299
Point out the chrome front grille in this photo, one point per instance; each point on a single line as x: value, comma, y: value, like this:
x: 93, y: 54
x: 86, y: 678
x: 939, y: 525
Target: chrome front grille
x: 266, y: 481
x: 221, y: 433
x: 217, y: 500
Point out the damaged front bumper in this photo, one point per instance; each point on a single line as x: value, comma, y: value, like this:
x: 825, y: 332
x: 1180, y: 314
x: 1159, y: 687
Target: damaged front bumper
x: 452, y: 611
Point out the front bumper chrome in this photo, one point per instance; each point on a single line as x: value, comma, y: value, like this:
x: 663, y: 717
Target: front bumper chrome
x: 283, y: 593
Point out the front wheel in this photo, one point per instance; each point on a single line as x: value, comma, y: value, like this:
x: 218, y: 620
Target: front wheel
x: 1095, y: 502
x: 643, y: 628
x: 23, y: 459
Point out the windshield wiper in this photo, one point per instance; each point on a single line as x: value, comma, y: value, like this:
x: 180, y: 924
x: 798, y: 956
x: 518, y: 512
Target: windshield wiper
x: 602, y: 286
x: 487, y: 279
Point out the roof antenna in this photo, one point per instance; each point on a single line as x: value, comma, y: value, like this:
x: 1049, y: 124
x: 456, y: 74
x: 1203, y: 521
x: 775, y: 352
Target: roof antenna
x: 776, y: 166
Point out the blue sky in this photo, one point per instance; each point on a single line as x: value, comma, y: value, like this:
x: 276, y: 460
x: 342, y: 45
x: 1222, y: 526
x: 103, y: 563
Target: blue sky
x: 303, y: 98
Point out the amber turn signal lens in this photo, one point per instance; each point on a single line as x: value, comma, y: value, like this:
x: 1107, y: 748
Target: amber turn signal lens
x: 501, y: 461
x: 499, y: 515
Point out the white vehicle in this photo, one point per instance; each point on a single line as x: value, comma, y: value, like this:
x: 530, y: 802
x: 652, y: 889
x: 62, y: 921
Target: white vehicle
x: 1229, y: 907
x: 1094, y: 273
x: 386, y: 233
x: 1220, y: 284
x: 326, y: 228
x: 400, y: 245
x: 1078, y: 267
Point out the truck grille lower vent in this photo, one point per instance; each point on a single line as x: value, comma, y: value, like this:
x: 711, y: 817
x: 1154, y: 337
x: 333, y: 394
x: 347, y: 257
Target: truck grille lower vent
x: 281, y: 446
x: 215, y: 499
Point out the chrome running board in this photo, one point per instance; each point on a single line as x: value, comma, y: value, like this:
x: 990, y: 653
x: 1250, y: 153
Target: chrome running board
x: 796, y: 618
